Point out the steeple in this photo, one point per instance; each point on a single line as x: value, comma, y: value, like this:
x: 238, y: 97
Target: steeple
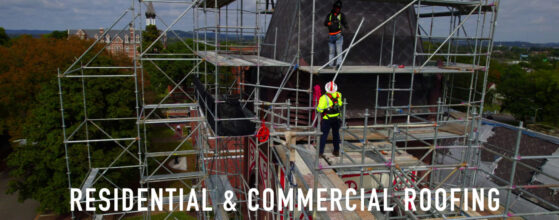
x: 150, y: 14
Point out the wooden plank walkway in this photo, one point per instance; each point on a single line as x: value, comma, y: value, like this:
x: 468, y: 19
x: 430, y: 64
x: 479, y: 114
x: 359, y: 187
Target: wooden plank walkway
x: 239, y: 60
x: 327, y: 178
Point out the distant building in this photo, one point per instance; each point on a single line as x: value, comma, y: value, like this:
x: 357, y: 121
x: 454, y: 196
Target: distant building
x: 528, y: 70
x: 120, y: 41
x: 543, y: 52
x: 123, y: 42
x: 514, y: 62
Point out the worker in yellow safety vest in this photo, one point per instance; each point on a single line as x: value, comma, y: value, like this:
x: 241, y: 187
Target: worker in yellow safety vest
x: 330, y: 105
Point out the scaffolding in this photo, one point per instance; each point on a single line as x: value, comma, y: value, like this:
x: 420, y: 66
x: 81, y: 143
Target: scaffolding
x: 391, y: 146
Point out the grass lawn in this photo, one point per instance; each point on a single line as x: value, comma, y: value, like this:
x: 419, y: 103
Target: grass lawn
x: 164, y: 139
x: 491, y: 108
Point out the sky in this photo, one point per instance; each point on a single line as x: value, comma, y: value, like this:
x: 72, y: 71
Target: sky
x: 519, y: 20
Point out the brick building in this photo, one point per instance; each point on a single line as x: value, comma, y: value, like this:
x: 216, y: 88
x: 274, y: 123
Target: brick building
x: 123, y: 42
x: 120, y: 41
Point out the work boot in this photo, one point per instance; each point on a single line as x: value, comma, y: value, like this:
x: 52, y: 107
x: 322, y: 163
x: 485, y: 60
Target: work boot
x: 336, y: 153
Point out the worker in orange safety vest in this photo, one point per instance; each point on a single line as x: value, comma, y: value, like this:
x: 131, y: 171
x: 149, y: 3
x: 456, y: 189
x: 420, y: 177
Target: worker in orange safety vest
x: 334, y: 21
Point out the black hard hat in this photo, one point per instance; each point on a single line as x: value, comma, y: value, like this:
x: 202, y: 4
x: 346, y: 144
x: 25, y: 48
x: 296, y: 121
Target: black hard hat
x: 337, y: 4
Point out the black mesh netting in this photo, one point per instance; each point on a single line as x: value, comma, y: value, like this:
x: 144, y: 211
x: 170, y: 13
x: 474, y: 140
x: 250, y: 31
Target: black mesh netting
x: 231, y: 108
x: 359, y: 89
x: 367, y: 53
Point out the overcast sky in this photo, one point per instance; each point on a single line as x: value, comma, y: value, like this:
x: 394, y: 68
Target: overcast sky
x: 522, y: 20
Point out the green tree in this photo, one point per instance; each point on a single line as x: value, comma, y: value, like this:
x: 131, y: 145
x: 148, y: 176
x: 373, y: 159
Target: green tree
x: 149, y: 36
x: 57, y: 35
x: 516, y: 89
x: 175, y: 70
x: 539, y: 62
x: 4, y: 38
x: 546, y: 95
x: 527, y: 92
x: 26, y: 65
x: 38, y: 169
x: 496, y: 69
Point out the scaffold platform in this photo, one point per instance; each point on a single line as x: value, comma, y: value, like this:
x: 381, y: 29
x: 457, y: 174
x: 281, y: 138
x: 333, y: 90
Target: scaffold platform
x: 219, y: 59
x: 218, y: 185
x: 212, y: 3
x: 448, y: 69
x: 89, y: 181
x: 172, y: 176
x: 172, y: 120
x: 446, y: 131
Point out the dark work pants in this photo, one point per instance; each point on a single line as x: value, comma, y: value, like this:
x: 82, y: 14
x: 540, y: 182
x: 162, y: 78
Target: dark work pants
x: 327, y: 124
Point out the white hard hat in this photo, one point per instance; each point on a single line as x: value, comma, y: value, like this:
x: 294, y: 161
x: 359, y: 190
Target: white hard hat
x: 331, y: 87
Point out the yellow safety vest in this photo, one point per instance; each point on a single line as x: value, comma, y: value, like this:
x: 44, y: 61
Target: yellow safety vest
x: 324, y: 103
x: 339, y: 17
